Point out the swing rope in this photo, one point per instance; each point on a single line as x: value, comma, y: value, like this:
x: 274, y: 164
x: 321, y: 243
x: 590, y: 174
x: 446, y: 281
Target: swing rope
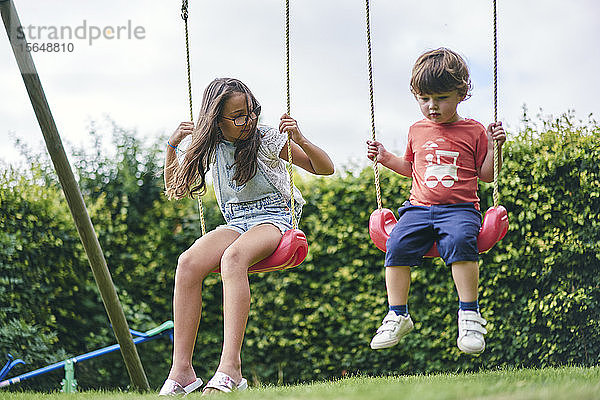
x: 375, y: 164
x: 496, y: 151
x: 184, y: 16
x: 287, y: 77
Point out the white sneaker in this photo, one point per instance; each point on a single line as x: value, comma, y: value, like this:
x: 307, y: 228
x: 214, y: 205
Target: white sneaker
x: 393, y: 328
x: 470, y: 332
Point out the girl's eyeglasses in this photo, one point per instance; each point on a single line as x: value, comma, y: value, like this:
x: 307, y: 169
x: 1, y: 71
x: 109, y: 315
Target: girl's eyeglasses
x: 243, y: 119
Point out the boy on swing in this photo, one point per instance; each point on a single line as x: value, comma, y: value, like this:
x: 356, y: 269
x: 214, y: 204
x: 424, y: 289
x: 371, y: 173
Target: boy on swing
x: 445, y: 156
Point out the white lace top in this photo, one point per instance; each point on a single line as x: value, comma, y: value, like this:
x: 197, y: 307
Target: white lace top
x: 274, y: 167
x: 269, y: 162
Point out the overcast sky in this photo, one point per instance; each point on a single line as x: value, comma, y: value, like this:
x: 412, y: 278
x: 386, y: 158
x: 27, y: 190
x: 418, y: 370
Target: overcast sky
x: 548, y: 59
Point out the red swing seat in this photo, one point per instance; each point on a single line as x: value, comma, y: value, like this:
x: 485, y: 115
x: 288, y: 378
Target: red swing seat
x: 493, y: 229
x: 290, y: 252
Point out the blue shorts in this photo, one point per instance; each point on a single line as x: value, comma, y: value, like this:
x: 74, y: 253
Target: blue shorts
x: 454, y: 227
x: 272, y: 209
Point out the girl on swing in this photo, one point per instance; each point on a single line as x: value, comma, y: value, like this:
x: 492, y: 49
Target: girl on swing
x: 252, y: 189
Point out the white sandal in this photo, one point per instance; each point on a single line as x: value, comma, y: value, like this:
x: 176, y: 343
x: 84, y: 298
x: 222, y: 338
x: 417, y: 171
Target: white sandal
x: 224, y: 383
x: 174, y: 388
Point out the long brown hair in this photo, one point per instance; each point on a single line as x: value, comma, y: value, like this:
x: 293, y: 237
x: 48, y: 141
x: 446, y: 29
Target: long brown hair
x: 190, y: 177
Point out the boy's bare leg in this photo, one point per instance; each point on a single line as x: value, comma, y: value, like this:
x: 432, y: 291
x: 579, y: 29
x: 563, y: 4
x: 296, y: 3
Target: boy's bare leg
x: 397, y: 282
x: 466, y: 279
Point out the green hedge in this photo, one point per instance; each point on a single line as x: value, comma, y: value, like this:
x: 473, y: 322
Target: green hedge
x: 539, y: 286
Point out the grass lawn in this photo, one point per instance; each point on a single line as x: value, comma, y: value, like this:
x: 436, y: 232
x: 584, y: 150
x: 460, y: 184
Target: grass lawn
x: 516, y: 384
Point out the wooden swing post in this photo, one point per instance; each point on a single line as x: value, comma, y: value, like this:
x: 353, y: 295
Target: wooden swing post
x: 73, y: 195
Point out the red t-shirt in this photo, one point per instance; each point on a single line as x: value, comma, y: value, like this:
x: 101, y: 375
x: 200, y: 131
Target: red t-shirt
x: 445, y: 159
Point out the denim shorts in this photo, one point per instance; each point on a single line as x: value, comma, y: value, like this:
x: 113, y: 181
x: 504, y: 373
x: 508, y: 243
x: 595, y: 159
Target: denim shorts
x: 272, y: 209
x: 453, y: 227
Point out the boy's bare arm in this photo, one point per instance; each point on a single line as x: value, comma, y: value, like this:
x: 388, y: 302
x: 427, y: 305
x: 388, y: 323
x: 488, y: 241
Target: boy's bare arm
x: 399, y: 165
x: 496, y: 132
x: 376, y: 151
x: 486, y: 171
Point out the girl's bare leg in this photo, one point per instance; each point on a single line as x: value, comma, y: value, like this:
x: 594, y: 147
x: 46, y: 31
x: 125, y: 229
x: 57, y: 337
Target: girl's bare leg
x: 192, y: 267
x: 254, y: 245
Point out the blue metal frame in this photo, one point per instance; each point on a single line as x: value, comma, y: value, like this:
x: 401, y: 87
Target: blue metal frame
x: 10, y: 365
x: 166, y: 329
